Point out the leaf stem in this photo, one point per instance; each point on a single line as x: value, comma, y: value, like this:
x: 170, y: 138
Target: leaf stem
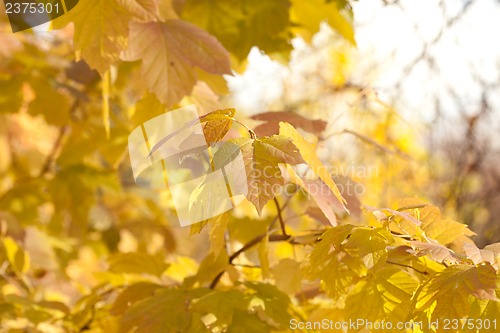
x: 408, y: 266
x: 53, y: 152
x: 253, y: 136
x: 257, y: 240
x: 280, y: 217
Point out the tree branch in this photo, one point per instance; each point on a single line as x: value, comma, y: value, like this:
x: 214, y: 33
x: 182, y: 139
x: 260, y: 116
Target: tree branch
x: 53, y: 152
x: 280, y: 217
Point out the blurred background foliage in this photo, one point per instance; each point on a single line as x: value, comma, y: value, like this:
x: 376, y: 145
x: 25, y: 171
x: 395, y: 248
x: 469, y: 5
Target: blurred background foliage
x: 72, y: 220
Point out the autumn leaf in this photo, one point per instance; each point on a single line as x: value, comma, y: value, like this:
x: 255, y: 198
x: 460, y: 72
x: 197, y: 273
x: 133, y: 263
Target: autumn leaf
x: 210, y: 267
x: 453, y: 286
x: 307, y: 150
x: 490, y: 253
x: 207, y: 14
x: 262, y: 158
x: 17, y: 257
x: 386, y: 293
x: 336, y: 270
x: 11, y: 96
x: 101, y: 30
x: 218, y: 233
x: 84, y: 249
x: 246, y: 23
x: 147, y: 10
x: 275, y: 305
x: 309, y: 14
x: 324, y: 198
x: 133, y: 294
x: 137, y: 263
x: 444, y: 231
x: 364, y: 241
x: 287, y: 275
x: 216, y: 124
x: 149, y: 314
x: 221, y: 304
x: 263, y: 252
x: 437, y: 252
x: 169, y: 52
x: 273, y: 118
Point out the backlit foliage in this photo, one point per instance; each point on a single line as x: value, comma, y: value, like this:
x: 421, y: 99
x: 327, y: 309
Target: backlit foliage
x: 83, y: 249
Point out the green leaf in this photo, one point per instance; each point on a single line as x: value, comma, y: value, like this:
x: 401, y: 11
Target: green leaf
x: 169, y: 52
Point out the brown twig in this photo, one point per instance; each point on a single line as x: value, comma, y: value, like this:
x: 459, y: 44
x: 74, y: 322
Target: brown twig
x: 255, y: 241
x: 45, y: 167
x: 280, y: 217
x: 376, y: 144
x: 53, y: 152
x: 407, y: 266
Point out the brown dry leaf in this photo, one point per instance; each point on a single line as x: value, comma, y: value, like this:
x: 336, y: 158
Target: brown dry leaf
x: 490, y: 253
x: 272, y: 123
x: 438, y: 252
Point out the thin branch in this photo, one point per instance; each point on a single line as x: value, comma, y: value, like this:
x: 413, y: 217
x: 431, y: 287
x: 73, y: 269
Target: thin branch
x: 280, y: 217
x: 407, y: 266
x: 255, y: 241
x: 53, y: 152
x: 259, y: 238
x: 411, y: 207
x: 252, y: 133
x: 45, y: 167
x: 11, y: 281
x: 376, y: 144
x: 247, y: 246
x: 246, y: 266
x: 216, y: 280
